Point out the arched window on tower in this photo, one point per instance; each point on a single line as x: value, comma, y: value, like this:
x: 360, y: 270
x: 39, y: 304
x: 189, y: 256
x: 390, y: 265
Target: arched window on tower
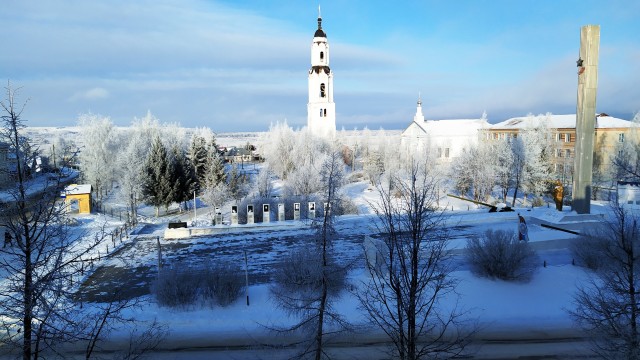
x: 320, y: 112
x: 325, y: 112
x: 322, y: 91
x: 321, y: 55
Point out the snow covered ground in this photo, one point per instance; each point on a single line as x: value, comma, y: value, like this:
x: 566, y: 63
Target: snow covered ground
x: 509, y: 313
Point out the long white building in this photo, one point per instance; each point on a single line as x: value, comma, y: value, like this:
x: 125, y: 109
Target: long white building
x: 445, y: 140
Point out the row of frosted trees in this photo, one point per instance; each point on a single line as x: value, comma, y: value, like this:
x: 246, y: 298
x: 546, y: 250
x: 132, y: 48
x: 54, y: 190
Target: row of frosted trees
x: 151, y: 162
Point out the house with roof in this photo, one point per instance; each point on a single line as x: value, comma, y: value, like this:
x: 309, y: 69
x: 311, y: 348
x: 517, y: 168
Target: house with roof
x: 238, y: 155
x: 610, y: 134
x: 445, y: 140
x: 78, y: 198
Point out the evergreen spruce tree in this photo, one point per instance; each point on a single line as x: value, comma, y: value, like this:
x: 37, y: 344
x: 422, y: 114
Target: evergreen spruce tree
x: 182, y: 177
x: 234, y: 181
x: 157, y: 186
x: 199, y: 160
x: 215, y: 172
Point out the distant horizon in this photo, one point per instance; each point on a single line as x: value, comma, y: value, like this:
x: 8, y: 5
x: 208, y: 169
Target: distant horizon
x: 242, y: 65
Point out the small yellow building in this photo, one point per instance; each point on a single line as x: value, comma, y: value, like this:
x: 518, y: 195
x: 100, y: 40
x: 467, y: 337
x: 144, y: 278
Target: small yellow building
x: 78, y: 198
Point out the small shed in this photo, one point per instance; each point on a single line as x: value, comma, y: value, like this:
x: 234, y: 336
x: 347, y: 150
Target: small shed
x: 629, y: 194
x: 78, y: 198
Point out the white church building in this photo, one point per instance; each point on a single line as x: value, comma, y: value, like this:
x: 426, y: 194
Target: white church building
x: 321, y: 110
x: 444, y: 139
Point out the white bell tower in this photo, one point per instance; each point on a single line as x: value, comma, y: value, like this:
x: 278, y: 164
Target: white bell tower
x: 321, y: 110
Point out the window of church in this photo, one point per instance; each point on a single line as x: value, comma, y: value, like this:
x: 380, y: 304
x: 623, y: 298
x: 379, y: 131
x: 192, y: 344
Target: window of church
x: 446, y: 152
x: 320, y: 112
x: 325, y: 112
x: 321, y: 55
x: 322, y: 90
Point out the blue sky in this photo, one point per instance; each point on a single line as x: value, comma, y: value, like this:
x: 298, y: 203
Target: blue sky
x: 241, y: 65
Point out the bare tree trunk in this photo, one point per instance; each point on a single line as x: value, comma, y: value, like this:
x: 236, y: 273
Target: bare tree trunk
x: 607, y: 307
x: 38, y: 269
x: 403, y: 300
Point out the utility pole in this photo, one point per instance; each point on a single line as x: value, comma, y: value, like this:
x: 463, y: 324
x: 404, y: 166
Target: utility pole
x: 246, y: 275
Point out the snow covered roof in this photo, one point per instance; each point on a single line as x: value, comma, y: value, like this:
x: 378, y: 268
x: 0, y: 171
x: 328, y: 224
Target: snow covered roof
x: 75, y: 189
x: 453, y: 127
x: 603, y: 121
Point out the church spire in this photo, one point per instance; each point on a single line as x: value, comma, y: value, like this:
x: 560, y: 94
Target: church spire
x: 419, y: 117
x: 320, y: 32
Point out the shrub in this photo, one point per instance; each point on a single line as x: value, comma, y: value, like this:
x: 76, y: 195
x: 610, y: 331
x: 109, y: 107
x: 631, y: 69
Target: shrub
x: 224, y: 284
x: 587, y: 250
x: 175, y: 288
x: 297, y: 281
x: 538, y: 201
x: 206, y: 285
x: 499, y: 254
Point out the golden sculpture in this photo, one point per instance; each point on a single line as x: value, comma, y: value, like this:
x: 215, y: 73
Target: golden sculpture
x: 558, y: 194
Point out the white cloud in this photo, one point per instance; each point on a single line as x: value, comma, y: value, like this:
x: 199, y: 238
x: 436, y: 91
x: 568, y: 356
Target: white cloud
x: 96, y: 93
x: 202, y: 63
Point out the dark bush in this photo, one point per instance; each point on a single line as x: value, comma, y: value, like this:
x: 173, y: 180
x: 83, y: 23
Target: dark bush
x: 588, y: 250
x: 175, y: 288
x: 224, y: 284
x: 297, y: 281
x: 207, y: 285
x: 499, y: 254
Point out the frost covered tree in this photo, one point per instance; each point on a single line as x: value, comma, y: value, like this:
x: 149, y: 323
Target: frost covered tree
x: 504, y: 160
x: 305, y: 179
x: 216, y: 195
x: 519, y: 159
x: 374, y: 165
x: 182, y: 176
x: 39, y: 265
x: 131, y: 160
x: 157, y: 187
x: 626, y: 161
x: 174, y: 135
x: 215, y: 191
x: 216, y: 173
x: 263, y: 183
x: 404, y: 294
x: 538, y: 149
x: 608, y: 306
x: 309, y: 280
x: 474, y: 171
x: 199, y: 156
x: 278, y: 149
x: 99, y: 144
x: 236, y: 183
x: 62, y: 151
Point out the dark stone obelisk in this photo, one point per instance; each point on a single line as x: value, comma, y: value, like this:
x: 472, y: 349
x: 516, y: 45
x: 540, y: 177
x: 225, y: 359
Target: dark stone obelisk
x: 585, y: 117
